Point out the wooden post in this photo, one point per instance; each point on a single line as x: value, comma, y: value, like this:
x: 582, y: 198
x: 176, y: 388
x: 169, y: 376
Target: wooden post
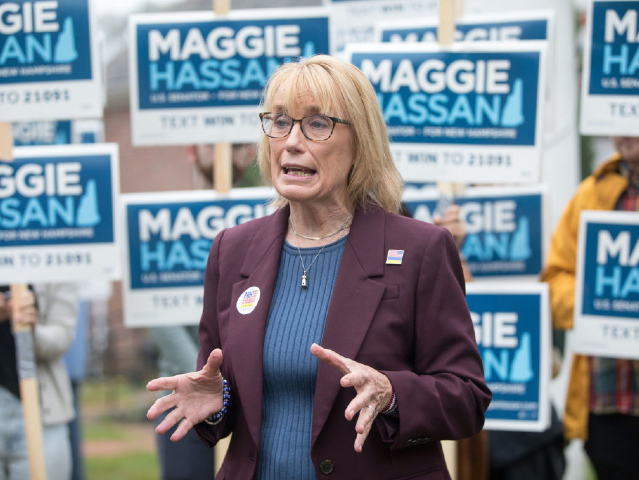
x: 6, y: 142
x: 446, y: 27
x: 223, y: 152
x: 223, y: 167
x: 25, y: 354
x: 25, y: 362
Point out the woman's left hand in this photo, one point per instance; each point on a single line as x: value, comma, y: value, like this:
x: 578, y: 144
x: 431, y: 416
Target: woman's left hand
x: 373, y: 389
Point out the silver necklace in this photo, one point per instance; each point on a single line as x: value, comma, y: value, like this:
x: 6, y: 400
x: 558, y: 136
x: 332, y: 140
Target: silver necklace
x: 290, y: 222
x: 304, y: 269
x: 304, y: 277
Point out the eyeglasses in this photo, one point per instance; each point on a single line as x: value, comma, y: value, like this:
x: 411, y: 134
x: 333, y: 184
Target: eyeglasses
x: 314, y: 127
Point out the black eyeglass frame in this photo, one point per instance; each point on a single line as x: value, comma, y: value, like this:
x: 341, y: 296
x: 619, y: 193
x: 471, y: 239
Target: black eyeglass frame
x: 295, y: 120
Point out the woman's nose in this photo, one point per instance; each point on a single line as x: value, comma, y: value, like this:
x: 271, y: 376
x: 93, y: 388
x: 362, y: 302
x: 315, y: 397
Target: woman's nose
x: 296, y: 136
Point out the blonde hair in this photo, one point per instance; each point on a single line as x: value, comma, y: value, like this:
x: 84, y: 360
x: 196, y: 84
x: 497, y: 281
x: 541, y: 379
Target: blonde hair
x: 341, y: 90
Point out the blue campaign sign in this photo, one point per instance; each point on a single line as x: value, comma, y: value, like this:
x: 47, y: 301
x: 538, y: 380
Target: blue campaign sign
x: 468, y: 113
x: 611, y: 274
x: 49, y: 65
x: 168, y: 239
x: 606, y: 310
x: 220, y: 63
x: 614, y: 59
x: 57, y: 220
x: 479, y: 97
x: 505, y: 229
x: 465, y: 31
x: 169, y: 243
x: 609, y: 103
x: 44, y: 41
x: 53, y: 132
x: 52, y: 200
x: 197, y: 78
x: 513, y: 341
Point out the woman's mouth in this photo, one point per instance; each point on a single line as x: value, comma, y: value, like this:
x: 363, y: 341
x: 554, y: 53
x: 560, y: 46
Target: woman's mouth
x: 298, y: 171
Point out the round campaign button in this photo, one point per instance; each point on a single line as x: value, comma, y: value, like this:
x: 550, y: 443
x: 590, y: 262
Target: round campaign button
x: 248, y: 300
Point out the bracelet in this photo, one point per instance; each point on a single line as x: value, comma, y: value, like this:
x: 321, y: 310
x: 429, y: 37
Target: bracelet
x: 226, y: 396
x: 391, y: 408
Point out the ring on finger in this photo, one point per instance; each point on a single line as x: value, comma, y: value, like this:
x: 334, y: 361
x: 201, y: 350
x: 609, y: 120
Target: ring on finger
x: 372, y: 409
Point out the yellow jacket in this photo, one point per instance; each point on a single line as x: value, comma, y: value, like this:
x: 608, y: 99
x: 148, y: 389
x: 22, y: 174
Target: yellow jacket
x: 600, y: 191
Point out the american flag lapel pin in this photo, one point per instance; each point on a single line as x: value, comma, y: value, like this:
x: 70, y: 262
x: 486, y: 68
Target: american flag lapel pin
x: 394, y: 257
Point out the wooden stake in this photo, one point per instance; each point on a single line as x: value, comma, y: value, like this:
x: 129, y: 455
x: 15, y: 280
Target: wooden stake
x: 6, y: 142
x: 25, y: 354
x: 223, y: 167
x: 446, y: 27
x: 25, y: 362
x: 221, y: 7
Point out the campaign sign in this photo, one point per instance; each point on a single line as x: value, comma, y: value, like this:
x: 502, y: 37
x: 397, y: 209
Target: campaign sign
x: 198, y: 78
x: 46, y: 132
x: 57, y: 132
x: 493, y: 28
x: 610, y: 83
x: 512, y: 328
x: 607, y: 287
x: 467, y: 113
x: 48, y: 61
x: 505, y: 227
x: 57, y: 214
x: 168, y: 236
x: 368, y: 13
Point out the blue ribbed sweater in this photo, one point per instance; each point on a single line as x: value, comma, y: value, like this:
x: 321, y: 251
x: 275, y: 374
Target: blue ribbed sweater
x: 296, y: 319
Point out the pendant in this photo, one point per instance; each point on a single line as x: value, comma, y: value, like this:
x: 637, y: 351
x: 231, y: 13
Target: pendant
x: 304, y: 282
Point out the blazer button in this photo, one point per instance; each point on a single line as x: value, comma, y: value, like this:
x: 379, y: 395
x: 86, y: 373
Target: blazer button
x: 326, y: 467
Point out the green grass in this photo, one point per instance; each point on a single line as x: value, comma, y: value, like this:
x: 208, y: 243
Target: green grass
x: 115, y: 427
x: 103, y: 431
x: 130, y: 466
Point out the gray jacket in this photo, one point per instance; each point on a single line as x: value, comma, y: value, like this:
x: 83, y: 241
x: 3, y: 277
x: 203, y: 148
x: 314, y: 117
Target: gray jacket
x: 53, y: 335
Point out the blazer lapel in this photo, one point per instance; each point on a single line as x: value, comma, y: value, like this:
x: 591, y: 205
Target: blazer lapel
x: 353, y: 306
x: 246, y: 332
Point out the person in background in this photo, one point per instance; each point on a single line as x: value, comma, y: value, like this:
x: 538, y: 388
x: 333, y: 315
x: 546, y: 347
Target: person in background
x: 602, y: 405
x: 178, y: 345
x: 52, y: 310
x: 246, y: 173
x: 505, y: 455
x: 76, y: 361
x: 335, y: 339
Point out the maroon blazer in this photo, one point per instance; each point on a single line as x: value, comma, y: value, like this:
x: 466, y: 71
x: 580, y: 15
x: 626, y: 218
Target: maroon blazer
x: 409, y: 321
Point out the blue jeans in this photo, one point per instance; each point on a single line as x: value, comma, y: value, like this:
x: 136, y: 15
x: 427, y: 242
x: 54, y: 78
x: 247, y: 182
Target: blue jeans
x: 14, y: 459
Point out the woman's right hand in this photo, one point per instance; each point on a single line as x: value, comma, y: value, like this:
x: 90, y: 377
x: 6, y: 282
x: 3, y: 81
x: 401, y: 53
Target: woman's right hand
x: 195, y: 396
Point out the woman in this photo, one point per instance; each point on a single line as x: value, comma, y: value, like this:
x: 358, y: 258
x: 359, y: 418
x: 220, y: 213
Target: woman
x: 52, y: 311
x: 334, y: 266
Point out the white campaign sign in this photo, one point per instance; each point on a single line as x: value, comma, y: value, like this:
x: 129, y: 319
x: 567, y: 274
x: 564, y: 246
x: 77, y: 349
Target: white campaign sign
x: 470, y: 113
x: 198, y: 78
x: 610, y: 82
x: 166, y: 241
x: 606, y: 313
x: 57, y: 220
x: 49, y: 61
